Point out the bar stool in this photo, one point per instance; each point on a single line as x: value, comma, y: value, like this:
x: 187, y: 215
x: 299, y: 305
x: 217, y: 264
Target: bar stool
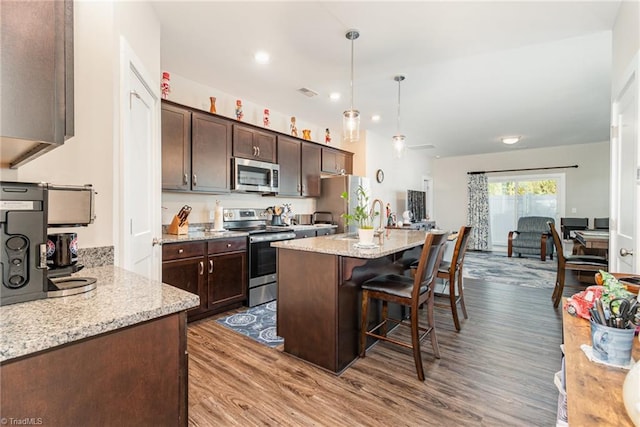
x: 411, y: 292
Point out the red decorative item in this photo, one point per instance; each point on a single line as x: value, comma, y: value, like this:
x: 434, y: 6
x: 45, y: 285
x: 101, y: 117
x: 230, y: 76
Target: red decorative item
x: 580, y: 303
x: 265, y: 118
x: 239, y: 112
x: 165, y: 88
x: 327, y: 136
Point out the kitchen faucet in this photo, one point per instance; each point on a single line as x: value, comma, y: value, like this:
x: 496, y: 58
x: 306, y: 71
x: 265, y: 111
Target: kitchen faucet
x: 373, y: 205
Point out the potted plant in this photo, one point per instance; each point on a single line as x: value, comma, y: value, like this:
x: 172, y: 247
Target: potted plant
x: 362, y: 216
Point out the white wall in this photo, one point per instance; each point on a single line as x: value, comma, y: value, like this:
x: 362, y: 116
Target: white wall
x: 400, y: 175
x: 587, y: 187
x: 626, y: 38
x: 89, y: 156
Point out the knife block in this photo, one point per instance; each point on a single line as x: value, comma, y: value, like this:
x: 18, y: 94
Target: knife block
x: 176, y: 228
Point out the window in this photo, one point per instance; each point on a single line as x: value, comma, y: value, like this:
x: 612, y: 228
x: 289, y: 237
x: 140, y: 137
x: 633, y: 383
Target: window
x: 513, y: 197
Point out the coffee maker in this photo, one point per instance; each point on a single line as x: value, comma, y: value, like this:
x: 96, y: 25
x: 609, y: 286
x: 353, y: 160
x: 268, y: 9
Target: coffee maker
x: 26, y: 211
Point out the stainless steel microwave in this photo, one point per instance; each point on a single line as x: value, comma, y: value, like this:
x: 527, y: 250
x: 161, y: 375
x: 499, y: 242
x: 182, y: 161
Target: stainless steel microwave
x: 252, y: 175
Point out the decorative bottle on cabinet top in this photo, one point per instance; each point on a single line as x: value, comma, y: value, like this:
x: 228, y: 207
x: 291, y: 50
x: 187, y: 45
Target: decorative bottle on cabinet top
x: 165, y: 87
x: 239, y: 112
x: 213, y: 104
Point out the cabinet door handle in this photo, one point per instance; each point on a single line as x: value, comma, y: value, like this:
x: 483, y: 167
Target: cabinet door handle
x: 195, y: 179
x: 201, y: 264
x: 185, y: 179
x: 210, y: 266
x: 255, y: 151
x: 258, y: 151
x: 228, y: 245
x: 180, y: 250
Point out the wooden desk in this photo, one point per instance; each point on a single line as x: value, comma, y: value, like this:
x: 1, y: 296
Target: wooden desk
x: 593, y: 239
x: 594, y: 391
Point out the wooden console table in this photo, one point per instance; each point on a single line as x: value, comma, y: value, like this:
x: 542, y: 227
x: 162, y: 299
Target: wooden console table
x: 594, y: 391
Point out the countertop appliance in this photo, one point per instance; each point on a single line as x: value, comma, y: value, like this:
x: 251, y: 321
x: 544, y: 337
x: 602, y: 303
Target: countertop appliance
x: 262, y: 257
x: 330, y: 201
x: 254, y: 176
x: 24, y: 218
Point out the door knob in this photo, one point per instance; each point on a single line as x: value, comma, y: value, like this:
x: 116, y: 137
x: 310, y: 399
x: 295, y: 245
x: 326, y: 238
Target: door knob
x: 155, y: 241
x: 625, y: 252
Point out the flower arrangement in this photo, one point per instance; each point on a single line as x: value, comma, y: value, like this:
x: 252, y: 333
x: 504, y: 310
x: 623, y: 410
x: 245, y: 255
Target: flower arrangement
x: 361, y: 215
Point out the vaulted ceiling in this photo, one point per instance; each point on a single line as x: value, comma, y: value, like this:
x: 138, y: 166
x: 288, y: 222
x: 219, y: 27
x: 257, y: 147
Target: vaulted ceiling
x: 475, y: 71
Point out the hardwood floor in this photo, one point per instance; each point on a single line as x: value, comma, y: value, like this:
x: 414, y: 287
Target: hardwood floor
x: 498, y: 370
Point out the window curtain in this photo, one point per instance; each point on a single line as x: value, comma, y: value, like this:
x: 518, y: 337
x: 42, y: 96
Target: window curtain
x: 478, y: 211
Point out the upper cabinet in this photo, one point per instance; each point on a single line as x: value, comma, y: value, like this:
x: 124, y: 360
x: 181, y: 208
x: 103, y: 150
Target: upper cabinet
x: 336, y: 161
x: 299, y: 167
x: 196, y: 148
x: 251, y: 143
x: 36, y: 69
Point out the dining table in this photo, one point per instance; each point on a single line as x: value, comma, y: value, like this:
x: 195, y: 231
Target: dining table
x: 593, y: 239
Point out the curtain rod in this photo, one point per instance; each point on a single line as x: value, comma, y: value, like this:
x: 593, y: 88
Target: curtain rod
x: 520, y: 170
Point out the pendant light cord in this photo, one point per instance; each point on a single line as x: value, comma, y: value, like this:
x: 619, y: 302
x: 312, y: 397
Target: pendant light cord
x: 399, y: 107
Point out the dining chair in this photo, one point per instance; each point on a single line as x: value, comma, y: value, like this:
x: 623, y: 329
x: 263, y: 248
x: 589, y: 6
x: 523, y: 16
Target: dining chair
x: 412, y: 292
x: 571, y: 262
x: 451, y: 272
x: 601, y: 223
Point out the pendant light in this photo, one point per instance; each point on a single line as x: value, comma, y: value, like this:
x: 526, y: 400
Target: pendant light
x: 399, y: 145
x: 351, y: 117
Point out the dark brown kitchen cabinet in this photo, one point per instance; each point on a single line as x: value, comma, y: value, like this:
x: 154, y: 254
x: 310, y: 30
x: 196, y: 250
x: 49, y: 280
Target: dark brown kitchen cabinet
x: 215, y: 270
x: 290, y: 166
x: 299, y: 167
x: 255, y: 144
x: 37, y: 78
x: 210, y: 153
x: 196, y: 148
x: 336, y: 162
x: 310, y: 175
x: 227, y: 274
x: 183, y: 266
x: 176, y: 148
x: 325, y: 231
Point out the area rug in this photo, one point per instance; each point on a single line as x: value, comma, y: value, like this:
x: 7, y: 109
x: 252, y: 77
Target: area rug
x: 497, y: 267
x: 258, y: 323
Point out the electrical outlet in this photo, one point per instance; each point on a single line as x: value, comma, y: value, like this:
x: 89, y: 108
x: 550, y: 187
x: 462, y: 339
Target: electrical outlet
x: 212, y: 214
x: 574, y: 210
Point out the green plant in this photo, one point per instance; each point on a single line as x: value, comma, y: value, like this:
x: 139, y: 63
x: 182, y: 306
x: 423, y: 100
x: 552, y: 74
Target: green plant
x: 361, y: 215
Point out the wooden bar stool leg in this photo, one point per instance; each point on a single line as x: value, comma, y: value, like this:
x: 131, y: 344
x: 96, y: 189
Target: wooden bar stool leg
x: 415, y: 342
x: 559, y: 290
x: 461, y: 294
x: 385, y: 315
x: 432, y: 325
x: 363, y: 322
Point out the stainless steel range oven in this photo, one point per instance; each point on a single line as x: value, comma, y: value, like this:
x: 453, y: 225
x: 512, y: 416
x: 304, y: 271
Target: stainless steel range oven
x: 262, y: 257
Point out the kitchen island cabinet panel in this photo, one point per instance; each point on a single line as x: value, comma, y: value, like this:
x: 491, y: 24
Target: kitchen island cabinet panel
x: 176, y: 148
x: 254, y: 144
x: 132, y: 376
x: 211, y: 151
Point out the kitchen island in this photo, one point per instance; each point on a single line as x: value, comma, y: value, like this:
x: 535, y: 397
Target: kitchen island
x: 115, y: 355
x: 319, y: 291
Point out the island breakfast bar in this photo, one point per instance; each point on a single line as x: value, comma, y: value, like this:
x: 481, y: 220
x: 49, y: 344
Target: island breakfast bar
x: 319, y: 292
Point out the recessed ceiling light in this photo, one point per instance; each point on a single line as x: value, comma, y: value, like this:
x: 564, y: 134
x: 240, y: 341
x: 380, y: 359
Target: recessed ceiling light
x: 375, y: 118
x: 510, y: 140
x: 334, y: 96
x: 261, y: 57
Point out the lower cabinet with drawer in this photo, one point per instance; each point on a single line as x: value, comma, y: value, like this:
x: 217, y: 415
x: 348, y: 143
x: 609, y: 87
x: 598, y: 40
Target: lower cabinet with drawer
x: 320, y: 231
x: 215, y: 270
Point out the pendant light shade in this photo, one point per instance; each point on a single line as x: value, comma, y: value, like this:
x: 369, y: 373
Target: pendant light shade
x: 351, y: 117
x: 399, y: 145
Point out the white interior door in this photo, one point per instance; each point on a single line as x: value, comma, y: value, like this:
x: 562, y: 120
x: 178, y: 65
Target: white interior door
x: 625, y: 175
x: 140, y: 174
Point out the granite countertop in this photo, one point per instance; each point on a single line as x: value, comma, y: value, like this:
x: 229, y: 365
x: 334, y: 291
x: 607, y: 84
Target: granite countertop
x: 345, y: 244
x: 121, y: 299
x: 311, y: 227
x: 194, y: 236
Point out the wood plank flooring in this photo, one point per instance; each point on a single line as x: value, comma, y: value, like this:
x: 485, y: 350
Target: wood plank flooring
x: 497, y: 371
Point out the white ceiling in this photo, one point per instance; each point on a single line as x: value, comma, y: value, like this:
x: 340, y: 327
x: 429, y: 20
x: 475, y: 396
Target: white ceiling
x: 475, y: 71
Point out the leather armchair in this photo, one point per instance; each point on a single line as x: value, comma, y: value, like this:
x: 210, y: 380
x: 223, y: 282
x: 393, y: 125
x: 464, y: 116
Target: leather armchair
x: 531, y: 238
